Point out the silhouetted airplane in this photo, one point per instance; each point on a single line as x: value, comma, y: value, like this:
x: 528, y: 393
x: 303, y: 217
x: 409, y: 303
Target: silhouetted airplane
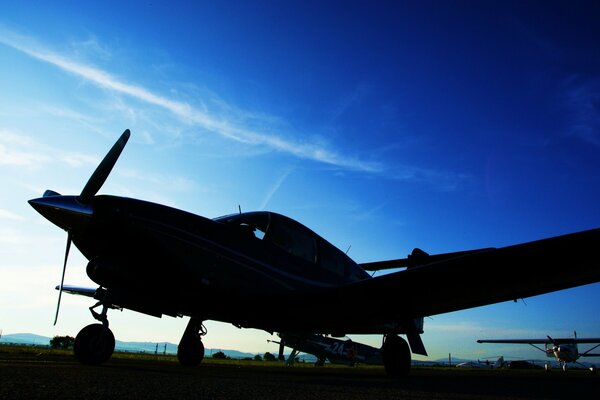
x: 337, y: 351
x: 499, y: 363
x: 266, y: 271
x: 563, y: 349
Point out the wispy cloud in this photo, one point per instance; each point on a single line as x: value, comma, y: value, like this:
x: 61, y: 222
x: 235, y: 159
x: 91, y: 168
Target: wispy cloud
x: 282, y: 177
x: 175, y: 183
x: 583, y: 99
x: 446, y: 181
x: 7, y: 215
x: 368, y: 214
x: 199, y: 117
x: 351, y: 100
x: 20, y: 150
x: 227, y: 121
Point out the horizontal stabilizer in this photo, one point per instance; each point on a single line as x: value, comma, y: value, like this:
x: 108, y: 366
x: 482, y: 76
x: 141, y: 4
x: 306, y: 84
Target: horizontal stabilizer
x: 556, y: 341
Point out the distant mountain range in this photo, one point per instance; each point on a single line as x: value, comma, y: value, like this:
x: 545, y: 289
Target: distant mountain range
x: 134, y: 347
x: 139, y: 347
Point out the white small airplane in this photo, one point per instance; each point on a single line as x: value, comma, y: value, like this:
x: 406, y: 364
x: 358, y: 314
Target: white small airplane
x: 482, y: 364
x: 565, y: 350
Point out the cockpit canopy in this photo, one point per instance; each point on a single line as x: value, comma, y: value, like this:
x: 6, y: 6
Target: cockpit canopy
x: 297, y: 240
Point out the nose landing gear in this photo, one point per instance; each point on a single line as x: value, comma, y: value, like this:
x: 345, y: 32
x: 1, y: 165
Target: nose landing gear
x: 95, y: 343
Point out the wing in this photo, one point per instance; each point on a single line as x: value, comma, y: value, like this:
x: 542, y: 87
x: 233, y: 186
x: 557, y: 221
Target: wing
x: 475, y: 278
x: 542, y: 341
x: 489, y: 276
x: 82, y: 291
x: 515, y: 341
x: 578, y: 340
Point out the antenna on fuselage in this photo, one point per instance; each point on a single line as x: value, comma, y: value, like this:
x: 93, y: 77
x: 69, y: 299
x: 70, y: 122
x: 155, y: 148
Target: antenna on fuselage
x: 240, y: 208
x: 349, y: 247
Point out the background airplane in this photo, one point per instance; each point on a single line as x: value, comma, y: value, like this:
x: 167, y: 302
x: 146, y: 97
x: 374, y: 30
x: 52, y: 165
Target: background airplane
x: 565, y: 350
x: 266, y: 271
x: 337, y: 351
x: 499, y: 363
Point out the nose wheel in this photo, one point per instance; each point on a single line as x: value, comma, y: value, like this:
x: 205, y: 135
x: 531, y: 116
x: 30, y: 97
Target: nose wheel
x: 95, y: 343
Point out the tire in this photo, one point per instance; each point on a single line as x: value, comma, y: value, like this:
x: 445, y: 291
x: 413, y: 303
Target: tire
x: 94, y: 345
x: 396, y: 356
x: 190, y: 351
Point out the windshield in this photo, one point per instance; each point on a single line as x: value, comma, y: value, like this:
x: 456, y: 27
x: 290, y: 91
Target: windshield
x: 255, y: 223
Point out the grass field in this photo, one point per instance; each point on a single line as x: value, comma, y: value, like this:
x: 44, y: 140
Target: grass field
x: 167, y: 358
x: 28, y: 372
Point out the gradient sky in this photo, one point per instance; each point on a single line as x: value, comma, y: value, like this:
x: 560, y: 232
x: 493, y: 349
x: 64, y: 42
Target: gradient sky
x: 382, y: 126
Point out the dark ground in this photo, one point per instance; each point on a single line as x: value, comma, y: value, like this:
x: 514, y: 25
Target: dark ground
x: 61, y: 377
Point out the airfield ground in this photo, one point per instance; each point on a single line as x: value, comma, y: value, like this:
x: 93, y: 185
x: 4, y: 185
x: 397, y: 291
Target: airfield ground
x: 34, y: 374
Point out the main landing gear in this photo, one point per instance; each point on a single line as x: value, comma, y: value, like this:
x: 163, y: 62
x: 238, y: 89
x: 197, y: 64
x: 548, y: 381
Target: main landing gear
x: 190, y: 351
x: 396, y: 356
x: 95, y: 343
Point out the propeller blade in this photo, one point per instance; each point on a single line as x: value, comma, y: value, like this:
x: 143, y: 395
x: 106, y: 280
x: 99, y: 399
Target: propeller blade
x: 62, y: 279
x: 552, y: 340
x: 99, y: 176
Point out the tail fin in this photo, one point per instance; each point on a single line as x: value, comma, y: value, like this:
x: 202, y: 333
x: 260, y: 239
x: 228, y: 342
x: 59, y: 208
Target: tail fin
x: 499, y: 362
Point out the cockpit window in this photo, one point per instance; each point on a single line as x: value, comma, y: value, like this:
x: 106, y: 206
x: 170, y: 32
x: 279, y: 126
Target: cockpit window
x: 292, y: 239
x: 331, y: 259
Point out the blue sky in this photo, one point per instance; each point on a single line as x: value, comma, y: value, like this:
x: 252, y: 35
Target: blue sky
x: 386, y: 126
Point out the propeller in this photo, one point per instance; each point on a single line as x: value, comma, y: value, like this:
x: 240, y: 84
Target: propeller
x: 90, y: 189
x: 62, y: 279
x: 99, y: 176
x: 555, y: 344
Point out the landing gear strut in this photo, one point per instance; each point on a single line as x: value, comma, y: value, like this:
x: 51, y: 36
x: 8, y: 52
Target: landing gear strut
x: 190, y: 351
x: 95, y: 343
x: 396, y: 356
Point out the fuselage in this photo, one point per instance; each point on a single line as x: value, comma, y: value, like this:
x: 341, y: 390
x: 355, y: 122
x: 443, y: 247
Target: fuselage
x: 565, y: 352
x: 160, y: 260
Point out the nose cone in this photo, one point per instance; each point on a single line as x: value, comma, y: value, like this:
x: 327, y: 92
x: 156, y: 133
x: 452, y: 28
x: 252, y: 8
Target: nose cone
x: 63, y: 211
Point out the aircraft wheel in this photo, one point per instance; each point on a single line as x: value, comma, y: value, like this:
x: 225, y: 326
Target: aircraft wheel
x: 190, y: 351
x: 396, y: 356
x: 320, y: 362
x: 94, y: 344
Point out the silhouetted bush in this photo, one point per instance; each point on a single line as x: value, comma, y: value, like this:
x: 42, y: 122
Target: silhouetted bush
x: 62, y: 342
x: 220, y: 355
